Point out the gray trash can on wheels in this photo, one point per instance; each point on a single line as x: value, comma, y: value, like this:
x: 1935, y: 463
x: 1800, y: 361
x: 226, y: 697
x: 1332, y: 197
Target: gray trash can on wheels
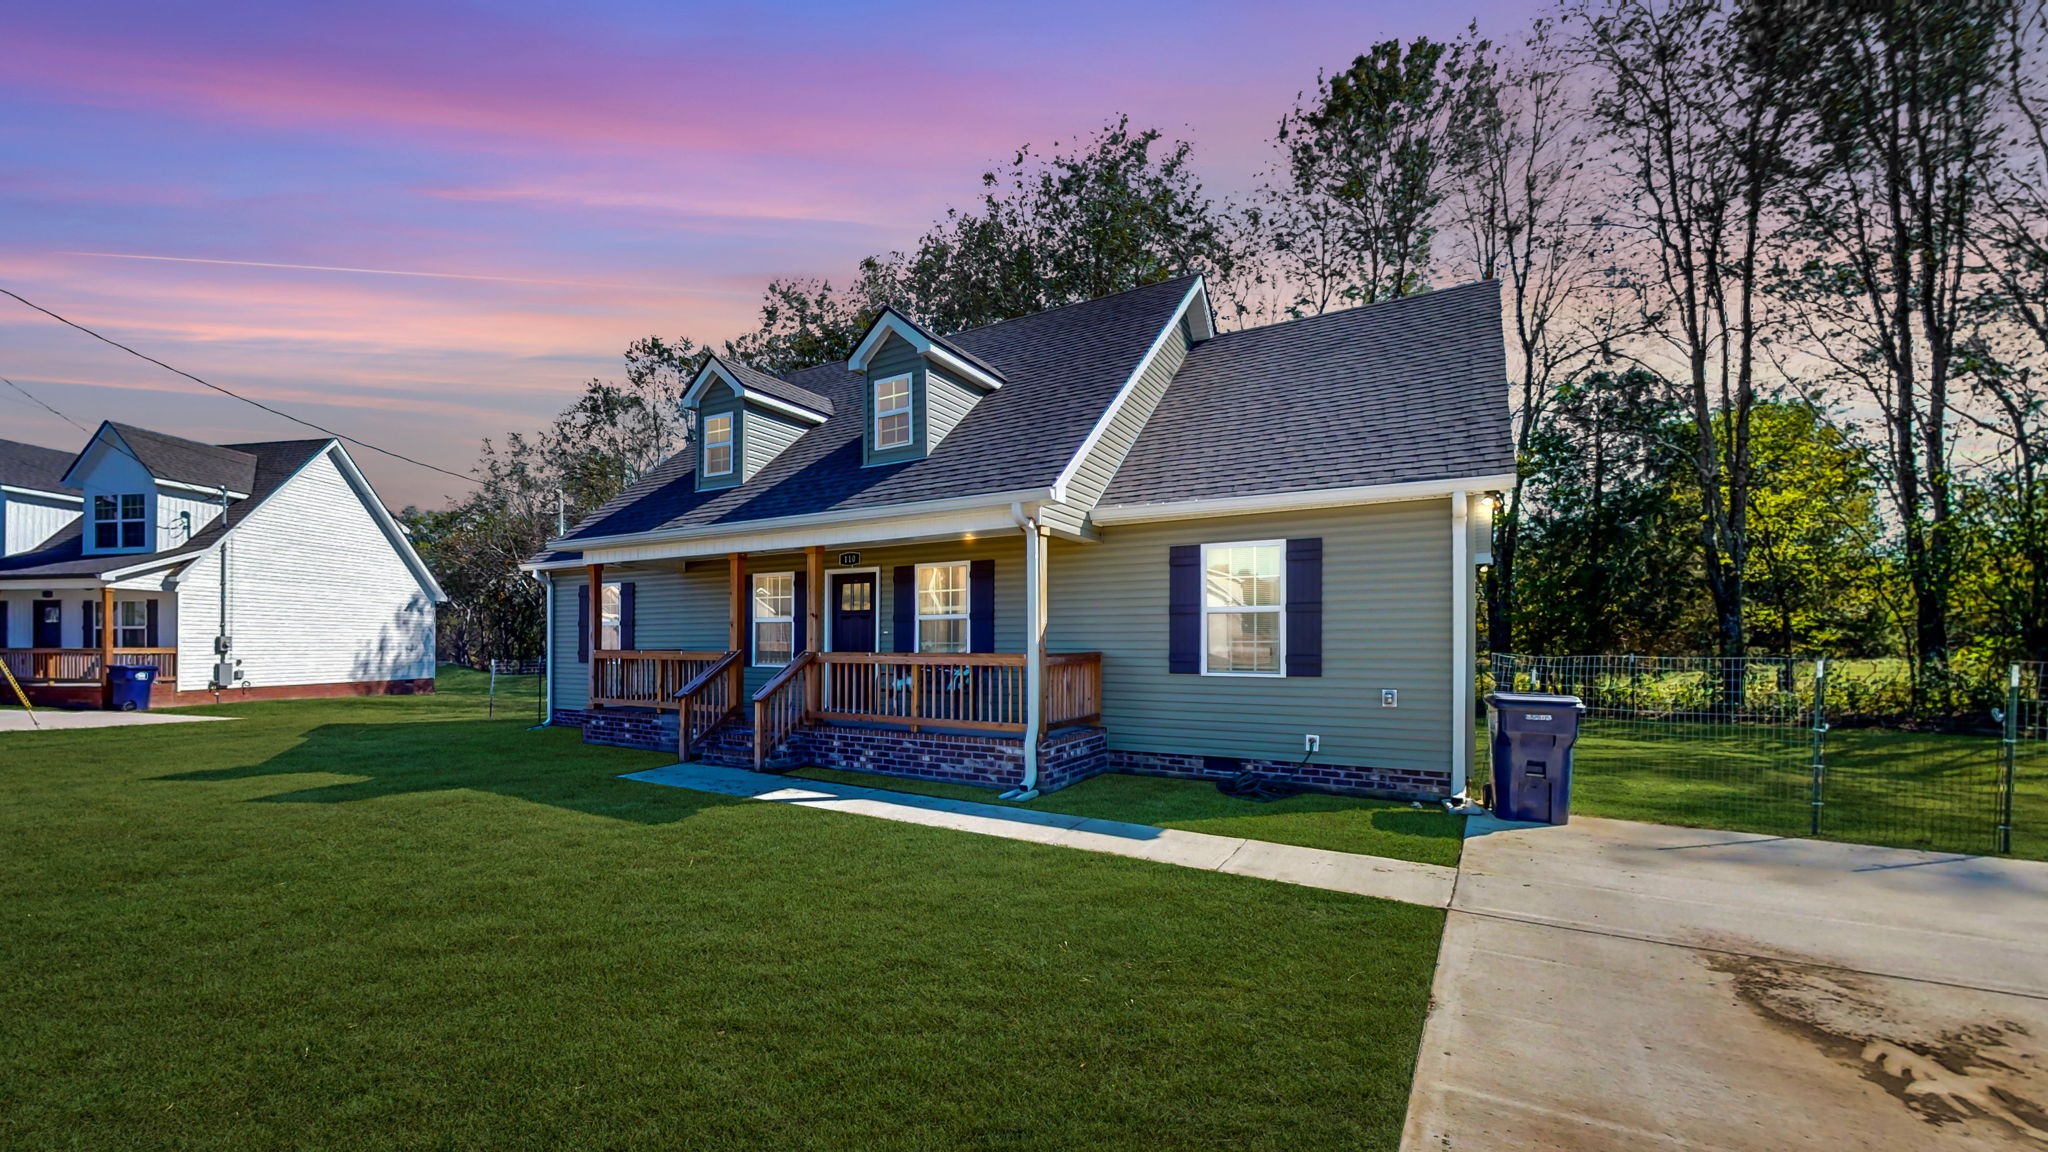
x: 1531, y: 734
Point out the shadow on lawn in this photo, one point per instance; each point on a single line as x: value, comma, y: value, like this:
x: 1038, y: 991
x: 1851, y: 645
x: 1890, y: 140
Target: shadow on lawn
x: 477, y: 756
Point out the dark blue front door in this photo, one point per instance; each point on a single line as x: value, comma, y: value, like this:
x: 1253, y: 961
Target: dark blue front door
x: 853, y: 612
x: 49, y: 627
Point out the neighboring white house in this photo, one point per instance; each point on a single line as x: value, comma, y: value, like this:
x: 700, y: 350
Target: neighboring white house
x: 323, y: 594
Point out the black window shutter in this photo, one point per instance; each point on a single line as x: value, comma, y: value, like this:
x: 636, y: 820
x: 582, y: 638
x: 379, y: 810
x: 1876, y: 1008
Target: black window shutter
x: 1305, y: 607
x: 89, y: 621
x: 583, y: 624
x: 626, y: 616
x: 1184, y: 609
x: 904, y: 607
x: 981, y: 606
x: 150, y: 635
x: 800, y: 612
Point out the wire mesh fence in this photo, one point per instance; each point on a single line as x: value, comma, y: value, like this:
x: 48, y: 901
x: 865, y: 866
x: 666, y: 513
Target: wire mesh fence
x: 2026, y: 744
x: 1754, y: 744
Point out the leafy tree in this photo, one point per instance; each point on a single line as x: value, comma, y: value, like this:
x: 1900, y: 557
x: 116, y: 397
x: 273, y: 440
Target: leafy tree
x: 804, y: 323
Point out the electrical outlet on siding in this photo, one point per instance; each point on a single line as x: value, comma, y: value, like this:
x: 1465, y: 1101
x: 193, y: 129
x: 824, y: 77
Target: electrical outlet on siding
x: 1311, y: 743
x: 1390, y: 697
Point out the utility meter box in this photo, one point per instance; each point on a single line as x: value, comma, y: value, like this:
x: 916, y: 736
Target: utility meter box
x: 1531, y: 737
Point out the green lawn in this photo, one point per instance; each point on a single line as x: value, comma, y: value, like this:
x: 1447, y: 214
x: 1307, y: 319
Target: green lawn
x: 1374, y: 827
x: 394, y: 923
x: 1904, y: 789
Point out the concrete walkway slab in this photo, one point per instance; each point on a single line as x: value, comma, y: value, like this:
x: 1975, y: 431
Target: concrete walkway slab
x: 1403, y: 880
x: 54, y: 720
x: 1612, y: 985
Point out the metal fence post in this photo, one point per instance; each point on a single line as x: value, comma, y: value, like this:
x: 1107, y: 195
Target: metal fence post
x: 2011, y: 749
x: 1820, y: 733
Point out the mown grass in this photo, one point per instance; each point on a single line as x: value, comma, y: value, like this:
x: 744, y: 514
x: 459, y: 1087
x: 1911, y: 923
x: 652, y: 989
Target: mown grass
x: 1338, y: 823
x: 394, y: 923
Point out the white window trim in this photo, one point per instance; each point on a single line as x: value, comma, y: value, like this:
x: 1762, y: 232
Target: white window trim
x: 121, y: 522
x: 917, y: 612
x: 754, y: 625
x: 909, y: 381
x: 140, y: 627
x: 618, y: 625
x: 730, y: 443
x: 1279, y: 610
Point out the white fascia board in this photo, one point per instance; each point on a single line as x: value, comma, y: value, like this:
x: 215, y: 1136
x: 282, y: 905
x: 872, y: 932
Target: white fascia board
x: 202, y: 489
x: 42, y: 494
x: 713, y: 370
x: 991, y: 519
x: 1123, y: 394
x: 1296, y: 501
x: 63, y: 583
x: 889, y: 322
x: 718, y: 538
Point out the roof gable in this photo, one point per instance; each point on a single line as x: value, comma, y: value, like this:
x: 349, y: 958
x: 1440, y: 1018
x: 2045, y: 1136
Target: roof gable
x: 171, y: 459
x: 955, y: 359
x: 758, y: 387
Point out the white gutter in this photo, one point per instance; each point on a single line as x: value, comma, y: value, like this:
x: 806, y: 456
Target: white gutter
x: 1123, y: 394
x: 42, y: 494
x: 547, y: 668
x: 995, y: 500
x: 1296, y: 501
x: 1462, y: 670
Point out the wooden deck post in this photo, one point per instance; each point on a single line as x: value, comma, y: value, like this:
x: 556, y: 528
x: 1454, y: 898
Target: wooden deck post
x: 107, y: 640
x: 596, y: 598
x: 736, y: 626
x: 814, y: 623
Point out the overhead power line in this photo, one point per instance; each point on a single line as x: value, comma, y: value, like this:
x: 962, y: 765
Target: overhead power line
x: 41, y: 403
x: 232, y: 393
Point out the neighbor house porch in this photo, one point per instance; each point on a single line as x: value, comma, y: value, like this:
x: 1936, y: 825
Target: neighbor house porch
x: 918, y: 658
x: 58, y: 644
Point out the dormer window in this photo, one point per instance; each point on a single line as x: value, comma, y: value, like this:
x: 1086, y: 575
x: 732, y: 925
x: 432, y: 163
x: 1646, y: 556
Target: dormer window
x: 718, y: 444
x: 892, y: 411
x: 119, y: 521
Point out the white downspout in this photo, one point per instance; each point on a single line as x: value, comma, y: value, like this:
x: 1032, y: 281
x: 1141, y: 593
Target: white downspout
x: 1461, y: 641
x: 1034, y: 650
x: 547, y: 631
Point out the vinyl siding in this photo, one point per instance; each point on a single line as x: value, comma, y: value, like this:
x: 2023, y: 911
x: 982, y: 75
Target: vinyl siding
x: 718, y: 400
x: 1386, y: 624
x: 946, y: 402
x: 171, y: 505
x: 894, y: 358
x: 1098, y: 467
x: 15, y: 608
x: 766, y: 436
x: 112, y: 473
x: 26, y: 521
x: 317, y: 593
x: 571, y: 679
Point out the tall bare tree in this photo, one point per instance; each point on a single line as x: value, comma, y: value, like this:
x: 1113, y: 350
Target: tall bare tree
x: 1695, y: 105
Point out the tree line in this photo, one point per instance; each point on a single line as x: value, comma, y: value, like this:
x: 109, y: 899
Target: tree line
x: 1776, y: 288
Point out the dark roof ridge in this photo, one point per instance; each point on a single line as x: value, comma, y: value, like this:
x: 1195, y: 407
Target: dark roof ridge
x: 1072, y: 304
x: 1355, y: 309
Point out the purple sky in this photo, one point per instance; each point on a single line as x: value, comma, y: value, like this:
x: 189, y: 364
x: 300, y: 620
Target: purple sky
x: 428, y: 223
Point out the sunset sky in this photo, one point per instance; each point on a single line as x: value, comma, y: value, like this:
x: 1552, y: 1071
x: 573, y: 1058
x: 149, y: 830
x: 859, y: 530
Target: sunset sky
x: 423, y: 224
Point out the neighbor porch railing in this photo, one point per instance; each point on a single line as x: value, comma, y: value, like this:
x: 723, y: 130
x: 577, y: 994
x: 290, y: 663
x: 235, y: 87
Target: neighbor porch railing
x: 82, y: 665
x: 983, y: 692
x: 645, y: 679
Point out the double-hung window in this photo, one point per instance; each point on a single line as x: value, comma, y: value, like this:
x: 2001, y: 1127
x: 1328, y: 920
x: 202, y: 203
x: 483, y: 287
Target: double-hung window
x: 892, y: 411
x: 942, y: 607
x: 131, y: 620
x: 1242, y: 604
x: 774, y: 618
x: 117, y: 521
x: 611, y: 614
x: 718, y: 444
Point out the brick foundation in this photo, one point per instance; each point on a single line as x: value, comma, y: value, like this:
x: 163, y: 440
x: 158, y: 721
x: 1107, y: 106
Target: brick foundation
x: 629, y: 728
x: 1342, y: 779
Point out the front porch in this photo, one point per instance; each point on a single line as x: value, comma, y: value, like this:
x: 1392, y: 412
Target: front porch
x: 58, y: 649
x: 800, y: 680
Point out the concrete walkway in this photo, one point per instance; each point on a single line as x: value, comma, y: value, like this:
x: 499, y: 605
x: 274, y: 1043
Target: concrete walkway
x: 55, y: 720
x: 1611, y: 985
x: 1428, y: 884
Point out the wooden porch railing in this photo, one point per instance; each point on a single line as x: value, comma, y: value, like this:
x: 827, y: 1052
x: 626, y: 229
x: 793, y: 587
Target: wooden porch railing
x: 1073, y: 688
x: 82, y: 665
x: 645, y: 679
x: 779, y: 705
x: 706, y: 700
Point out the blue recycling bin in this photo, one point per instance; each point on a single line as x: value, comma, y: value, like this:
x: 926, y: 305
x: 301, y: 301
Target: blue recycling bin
x: 1531, y: 734
x: 128, y: 687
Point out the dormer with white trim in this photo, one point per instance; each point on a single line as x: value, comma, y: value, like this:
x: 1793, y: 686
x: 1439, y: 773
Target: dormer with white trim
x: 745, y: 419
x: 146, y: 492
x: 919, y: 388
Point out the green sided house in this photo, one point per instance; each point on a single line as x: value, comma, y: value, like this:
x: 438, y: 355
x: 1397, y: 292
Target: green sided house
x: 1104, y: 537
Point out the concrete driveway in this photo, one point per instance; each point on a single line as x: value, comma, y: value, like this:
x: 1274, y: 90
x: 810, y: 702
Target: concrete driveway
x: 1611, y: 985
x: 54, y: 720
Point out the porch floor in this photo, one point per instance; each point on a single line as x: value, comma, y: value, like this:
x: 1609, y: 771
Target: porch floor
x: 1389, y: 879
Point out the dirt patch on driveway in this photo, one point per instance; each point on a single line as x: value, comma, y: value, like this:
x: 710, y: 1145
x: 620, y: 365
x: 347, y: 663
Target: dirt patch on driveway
x: 1984, y: 1072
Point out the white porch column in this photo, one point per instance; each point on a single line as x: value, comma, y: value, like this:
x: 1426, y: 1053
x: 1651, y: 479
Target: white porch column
x: 1035, y: 603
x: 1462, y: 669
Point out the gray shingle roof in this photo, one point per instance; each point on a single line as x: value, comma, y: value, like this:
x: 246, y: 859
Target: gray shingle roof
x: 271, y: 464
x: 34, y: 466
x: 777, y: 387
x: 183, y: 461
x: 1407, y: 390
x: 1061, y: 369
